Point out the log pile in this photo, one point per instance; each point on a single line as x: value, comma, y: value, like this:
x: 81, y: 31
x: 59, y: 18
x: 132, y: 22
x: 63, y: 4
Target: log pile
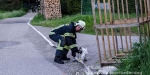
x: 52, y: 9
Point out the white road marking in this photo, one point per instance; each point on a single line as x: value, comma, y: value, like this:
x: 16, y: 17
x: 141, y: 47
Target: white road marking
x: 88, y: 71
x: 50, y: 43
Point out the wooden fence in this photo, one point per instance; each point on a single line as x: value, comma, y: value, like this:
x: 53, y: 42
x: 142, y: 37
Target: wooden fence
x: 118, y: 27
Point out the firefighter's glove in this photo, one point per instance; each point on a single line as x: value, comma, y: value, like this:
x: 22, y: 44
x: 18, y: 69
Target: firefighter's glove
x: 80, y: 51
x: 74, y: 51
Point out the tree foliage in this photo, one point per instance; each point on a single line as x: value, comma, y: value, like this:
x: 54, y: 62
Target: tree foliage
x: 9, y: 5
x: 70, y: 6
x: 67, y: 6
x: 131, y: 6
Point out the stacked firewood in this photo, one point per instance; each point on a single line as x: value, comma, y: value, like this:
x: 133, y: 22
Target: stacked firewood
x: 52, y: 9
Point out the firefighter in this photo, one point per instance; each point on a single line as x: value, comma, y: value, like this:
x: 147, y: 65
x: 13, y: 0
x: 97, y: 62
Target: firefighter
x: 65, y: 36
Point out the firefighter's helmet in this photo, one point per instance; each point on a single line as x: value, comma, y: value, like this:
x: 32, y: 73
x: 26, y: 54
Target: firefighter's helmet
x: 81, y: 23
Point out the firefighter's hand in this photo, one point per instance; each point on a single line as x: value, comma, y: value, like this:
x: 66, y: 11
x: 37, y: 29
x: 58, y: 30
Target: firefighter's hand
x: 73, y: 53
x: 79, y: 51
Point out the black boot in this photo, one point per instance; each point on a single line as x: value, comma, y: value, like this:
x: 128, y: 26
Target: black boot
x: 64, y: 54
x: 58, y: 60
x: 65, y: 58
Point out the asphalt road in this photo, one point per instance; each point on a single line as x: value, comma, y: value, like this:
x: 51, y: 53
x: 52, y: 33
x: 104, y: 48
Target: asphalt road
x: 24, y: 52
x: 19, y: 53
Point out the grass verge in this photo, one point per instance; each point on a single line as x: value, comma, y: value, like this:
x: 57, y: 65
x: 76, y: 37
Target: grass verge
x: 10, y: 14
x: 40, y: 21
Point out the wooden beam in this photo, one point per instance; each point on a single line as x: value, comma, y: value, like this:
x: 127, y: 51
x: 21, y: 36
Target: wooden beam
x: 116, y: 26
x: 127, y: 21
x: 109, y: 62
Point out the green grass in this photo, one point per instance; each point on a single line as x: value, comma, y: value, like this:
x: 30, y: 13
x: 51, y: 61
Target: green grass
x: 40, y: 21
x: 138, y: 61
x: 10, y: 14
x: 1, y: 11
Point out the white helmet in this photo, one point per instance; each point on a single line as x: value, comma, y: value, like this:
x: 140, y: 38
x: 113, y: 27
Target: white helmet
x: 81, y: 23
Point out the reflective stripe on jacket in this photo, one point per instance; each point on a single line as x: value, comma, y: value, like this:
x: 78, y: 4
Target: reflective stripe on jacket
x: 68, y: 32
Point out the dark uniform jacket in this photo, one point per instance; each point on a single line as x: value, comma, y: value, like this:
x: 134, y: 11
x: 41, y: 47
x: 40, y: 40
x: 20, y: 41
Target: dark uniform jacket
x: 66, y: 34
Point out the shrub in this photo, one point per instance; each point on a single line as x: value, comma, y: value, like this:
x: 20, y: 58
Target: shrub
x: 139, y: 60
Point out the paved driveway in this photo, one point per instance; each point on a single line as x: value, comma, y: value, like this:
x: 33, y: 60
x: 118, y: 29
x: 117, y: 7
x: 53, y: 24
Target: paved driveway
x: 24, y: 52
x: 19, y: 54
